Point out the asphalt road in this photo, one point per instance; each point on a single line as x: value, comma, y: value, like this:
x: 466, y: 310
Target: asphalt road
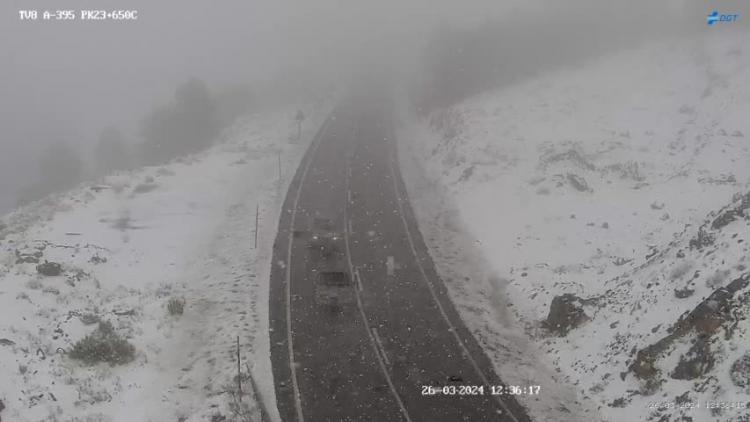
x: 372, y: 359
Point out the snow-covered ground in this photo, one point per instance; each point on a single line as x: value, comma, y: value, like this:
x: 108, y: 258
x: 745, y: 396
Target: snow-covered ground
x: 127, y: 246
x: 595, y: 181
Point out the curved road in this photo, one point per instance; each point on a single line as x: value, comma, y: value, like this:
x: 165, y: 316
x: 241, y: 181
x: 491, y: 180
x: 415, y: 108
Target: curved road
x: 373, y: 359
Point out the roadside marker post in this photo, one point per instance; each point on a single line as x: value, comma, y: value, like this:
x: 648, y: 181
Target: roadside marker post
x: 257, y: 213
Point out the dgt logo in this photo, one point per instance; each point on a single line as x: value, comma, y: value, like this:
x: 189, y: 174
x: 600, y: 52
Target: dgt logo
x: 715, y: 17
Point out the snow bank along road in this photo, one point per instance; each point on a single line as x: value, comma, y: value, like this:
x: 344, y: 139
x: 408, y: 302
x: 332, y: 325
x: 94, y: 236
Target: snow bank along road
x: 372, y: 359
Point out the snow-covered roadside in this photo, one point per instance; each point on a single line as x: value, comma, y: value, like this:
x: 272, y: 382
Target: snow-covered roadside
x: 594, y: 181
x: 481, y: 298
x: 128, y: 245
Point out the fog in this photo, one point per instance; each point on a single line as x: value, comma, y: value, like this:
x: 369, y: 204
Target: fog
x: 65, y: 81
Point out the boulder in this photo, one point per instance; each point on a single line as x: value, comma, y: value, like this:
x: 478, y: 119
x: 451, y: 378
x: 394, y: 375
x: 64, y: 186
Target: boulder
x: 713, y: 311
x: 49, y: 269
x: 683, y: 293
x: 565, y: 313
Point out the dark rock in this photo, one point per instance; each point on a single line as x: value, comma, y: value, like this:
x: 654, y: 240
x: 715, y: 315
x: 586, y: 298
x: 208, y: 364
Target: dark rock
x: 466, y: 174
x: 96, y: 259
x: 619, y: 402
x: 578, y: 182
x: 565, y: 313
x: 740, y: 371
x: 657, y: 206
x: 725, y: 218
x: 708, y: 316
x: 49, y: 269
x: 696, y: 362
x: 644, y: 366
x: 682, y: 398
x: 6, y: 342
x: 683, y: 293
x: 704, y: 320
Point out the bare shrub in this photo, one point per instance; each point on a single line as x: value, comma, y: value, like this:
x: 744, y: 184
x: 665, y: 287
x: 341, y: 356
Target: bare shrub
x: 103, y: 345
x: 175, y: 306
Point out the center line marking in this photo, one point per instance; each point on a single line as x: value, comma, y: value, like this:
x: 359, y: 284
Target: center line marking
x: 380, y: 358
x: 380, y: 345
x: 358, y: 278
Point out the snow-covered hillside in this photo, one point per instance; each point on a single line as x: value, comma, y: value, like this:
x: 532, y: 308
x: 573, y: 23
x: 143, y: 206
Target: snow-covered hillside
x: 161, y: 257
x: 603, y: 182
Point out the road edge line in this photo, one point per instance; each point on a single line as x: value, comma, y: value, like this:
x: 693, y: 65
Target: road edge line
x: 290, y: 341
x: 394, y: 157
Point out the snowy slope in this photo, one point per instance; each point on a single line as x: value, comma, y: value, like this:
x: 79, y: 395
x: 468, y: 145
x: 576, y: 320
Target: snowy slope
x: 127, y: 245
x: 589, y: 181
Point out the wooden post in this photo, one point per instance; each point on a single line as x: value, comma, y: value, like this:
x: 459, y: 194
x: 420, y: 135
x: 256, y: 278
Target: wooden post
x: 257, y: 212
x: 239, y: 371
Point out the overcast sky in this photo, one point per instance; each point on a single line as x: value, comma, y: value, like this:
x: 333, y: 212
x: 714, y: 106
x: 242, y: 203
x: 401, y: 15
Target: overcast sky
x: 67, y: 80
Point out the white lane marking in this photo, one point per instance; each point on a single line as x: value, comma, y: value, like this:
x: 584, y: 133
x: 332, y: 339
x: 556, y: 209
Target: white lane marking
x: 380, y: 346
x: 367, y: 324
x: 290, y: 343
x: 453, y: 330
x: 390, y: 264
x: 358, y: 279
x: 350, y: 226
